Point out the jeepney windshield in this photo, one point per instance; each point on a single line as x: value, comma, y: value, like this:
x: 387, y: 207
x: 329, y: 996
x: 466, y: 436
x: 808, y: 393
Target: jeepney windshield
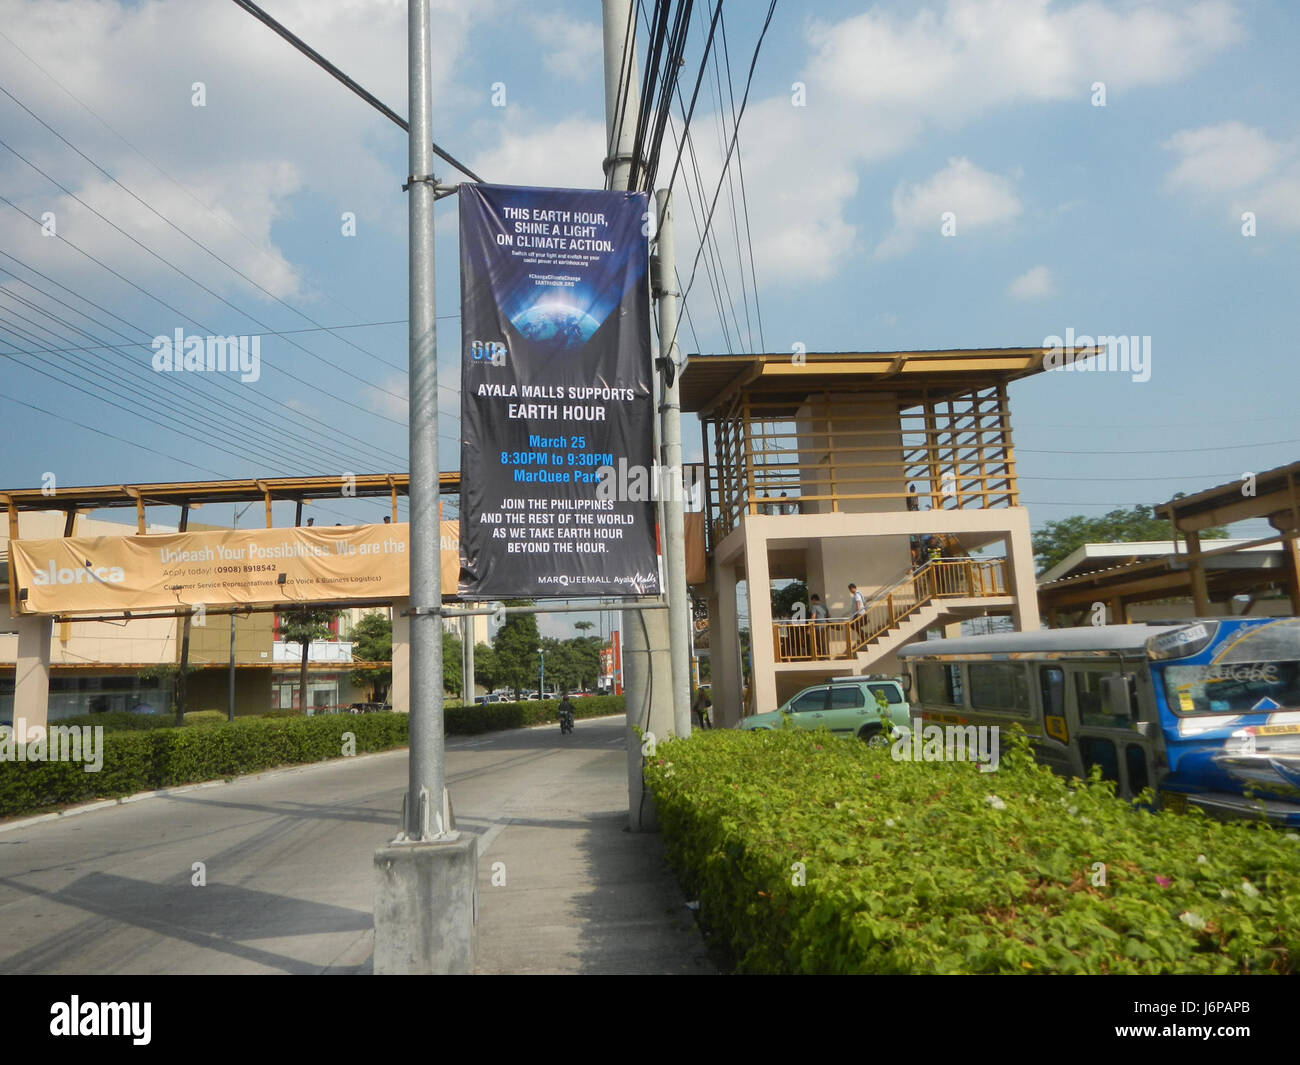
x: 1233, y: 687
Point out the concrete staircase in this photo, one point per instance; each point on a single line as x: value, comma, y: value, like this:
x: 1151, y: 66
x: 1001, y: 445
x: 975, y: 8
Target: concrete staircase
x: 891, y: 638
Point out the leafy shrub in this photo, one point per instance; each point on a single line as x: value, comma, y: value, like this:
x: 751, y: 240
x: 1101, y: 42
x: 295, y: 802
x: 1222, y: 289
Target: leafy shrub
x: 120, y: 720
x: 140, y: 760
x: 919, y: 867
x: 492, y: 717
x: 146, y: 751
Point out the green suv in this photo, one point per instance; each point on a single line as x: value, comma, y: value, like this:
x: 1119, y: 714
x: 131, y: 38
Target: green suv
x: 846, y: 705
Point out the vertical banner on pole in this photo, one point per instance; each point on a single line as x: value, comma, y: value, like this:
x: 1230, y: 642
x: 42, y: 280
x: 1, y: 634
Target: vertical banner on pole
x: 557, y: 476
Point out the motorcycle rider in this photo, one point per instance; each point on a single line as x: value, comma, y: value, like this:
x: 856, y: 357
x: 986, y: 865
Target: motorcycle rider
x: 566, y: 714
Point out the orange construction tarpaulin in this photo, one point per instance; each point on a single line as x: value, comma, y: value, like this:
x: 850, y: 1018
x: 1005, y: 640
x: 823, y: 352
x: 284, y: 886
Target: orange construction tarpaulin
x: 299, y: 564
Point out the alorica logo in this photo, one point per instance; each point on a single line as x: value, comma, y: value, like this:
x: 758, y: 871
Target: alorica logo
x: 86, y: 574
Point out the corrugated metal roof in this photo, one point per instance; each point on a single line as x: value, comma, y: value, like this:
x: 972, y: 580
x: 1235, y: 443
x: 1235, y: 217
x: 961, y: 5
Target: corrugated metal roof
x: 1083, y: 638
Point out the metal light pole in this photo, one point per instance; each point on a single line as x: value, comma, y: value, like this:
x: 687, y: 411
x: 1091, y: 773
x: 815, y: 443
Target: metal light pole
x: 541, y: 673
x: 645, y: 650
x: 424, y: 894
x: 426, y: 814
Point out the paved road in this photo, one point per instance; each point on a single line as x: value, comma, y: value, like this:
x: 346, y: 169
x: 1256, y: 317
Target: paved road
x: 288, y: 859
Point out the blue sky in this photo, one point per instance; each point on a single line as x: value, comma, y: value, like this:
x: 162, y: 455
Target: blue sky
x: 1122, y: 219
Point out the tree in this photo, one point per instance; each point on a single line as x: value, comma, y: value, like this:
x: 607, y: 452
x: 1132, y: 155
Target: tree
x: 516, y: 646
x: 561, y: 664
x: 372, y: 642
x: 784, y: 599
x: 302, y: 625
x: 583, y: 626
x: 452, y: 680
x: 1056, y: 539
x: 485, y: 666
x: 586, y: 659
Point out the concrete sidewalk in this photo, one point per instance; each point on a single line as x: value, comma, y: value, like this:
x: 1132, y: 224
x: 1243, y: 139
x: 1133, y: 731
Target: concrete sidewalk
x: 288, y: 860
x: 564, y: 887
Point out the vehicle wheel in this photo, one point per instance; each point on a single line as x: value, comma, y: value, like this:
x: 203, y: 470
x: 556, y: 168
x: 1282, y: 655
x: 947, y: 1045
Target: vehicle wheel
x: 872, y: 736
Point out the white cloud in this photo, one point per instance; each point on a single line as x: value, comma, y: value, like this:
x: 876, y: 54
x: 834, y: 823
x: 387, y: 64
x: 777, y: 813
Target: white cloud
x: 574, y: 49
x: 975, y: 197
x: 1033, y: 284
x: 876, y: 82
x: 1240, y: 167
x: 1220, y: 158
x: 563, y: 154
x: 978, y: 54
x: 383, y: 401
x: 270, y: 137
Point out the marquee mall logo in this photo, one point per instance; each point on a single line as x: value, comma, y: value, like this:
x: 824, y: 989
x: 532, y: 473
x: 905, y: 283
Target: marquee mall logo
x: 196, y: 354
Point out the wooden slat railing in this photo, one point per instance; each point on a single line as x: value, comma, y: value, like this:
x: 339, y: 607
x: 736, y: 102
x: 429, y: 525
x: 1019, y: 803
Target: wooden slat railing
x: 950, y: 578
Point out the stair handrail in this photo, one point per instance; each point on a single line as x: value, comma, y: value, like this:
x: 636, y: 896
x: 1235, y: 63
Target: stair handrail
x: 925, y: 591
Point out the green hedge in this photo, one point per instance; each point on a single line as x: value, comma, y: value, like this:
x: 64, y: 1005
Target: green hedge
x: 121, y: 720
x: 492, y: 717
x: 142, y: 760
x: 922, y: 867
x: 142, y: 751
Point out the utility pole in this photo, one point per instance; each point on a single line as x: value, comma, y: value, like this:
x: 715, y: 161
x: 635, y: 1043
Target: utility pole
x: 467, y: 662
x: 424, y: 897
x: 230, y: 681
x: 645, y: 644
x: 670, y: 412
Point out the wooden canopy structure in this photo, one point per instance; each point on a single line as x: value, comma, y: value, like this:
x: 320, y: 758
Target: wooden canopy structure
x: 829, y: 431
x: 1205, y: 573
x: 188, y: 495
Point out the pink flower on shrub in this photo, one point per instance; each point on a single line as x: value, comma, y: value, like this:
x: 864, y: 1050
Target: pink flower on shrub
x: 1163, y: 881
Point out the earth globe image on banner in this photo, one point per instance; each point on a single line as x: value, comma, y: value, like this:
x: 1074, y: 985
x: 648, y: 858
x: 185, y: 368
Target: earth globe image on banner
x: 555, y: 325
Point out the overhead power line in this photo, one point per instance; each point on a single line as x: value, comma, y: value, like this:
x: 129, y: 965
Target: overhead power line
x: 197, y: 283
x: 246, y: 396
x: 338, y: 75
x: 744, y: 101
x: 221, y: 218
x: 187, y: 235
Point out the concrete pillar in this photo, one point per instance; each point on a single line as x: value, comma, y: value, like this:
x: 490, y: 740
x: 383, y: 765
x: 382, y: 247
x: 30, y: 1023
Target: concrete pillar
x: 32, y: 674
x: 400, y: 693
x: 423, y: 893
x: 724, y: 650
x: 760, y: 624
x: 1020, y: 571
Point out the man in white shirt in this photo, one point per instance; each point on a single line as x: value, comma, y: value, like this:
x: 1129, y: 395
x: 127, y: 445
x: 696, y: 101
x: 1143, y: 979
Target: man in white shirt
x: 859, y: 601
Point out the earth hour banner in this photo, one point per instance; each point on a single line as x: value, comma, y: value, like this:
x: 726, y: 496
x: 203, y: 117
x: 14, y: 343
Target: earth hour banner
x: 556, y: 404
